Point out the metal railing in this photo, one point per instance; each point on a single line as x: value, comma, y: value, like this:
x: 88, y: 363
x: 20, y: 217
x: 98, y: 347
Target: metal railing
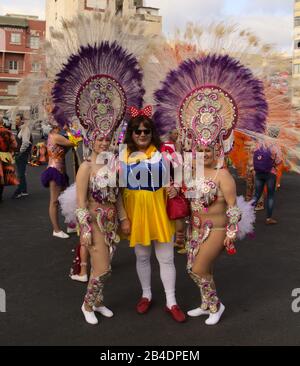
x: 5, y: 70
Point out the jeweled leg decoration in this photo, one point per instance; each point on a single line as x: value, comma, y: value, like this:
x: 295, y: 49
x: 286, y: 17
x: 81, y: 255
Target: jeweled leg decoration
x: 197, y: 236
x: 99, y: 296
x: 197, y: 279
x: 210, y: 300
x: 84, y: 219
x: 108, y: 224
x: 94, y: 294
x: 92, y: 291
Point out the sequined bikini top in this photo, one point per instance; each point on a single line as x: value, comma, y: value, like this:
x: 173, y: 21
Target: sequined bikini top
x: 56, y: 152
x: 103, y: 186
x: 56, y: 155
x: 205, y: 193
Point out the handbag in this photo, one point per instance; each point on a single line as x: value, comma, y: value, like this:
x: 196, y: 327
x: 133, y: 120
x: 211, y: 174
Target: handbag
x: 178, y: 207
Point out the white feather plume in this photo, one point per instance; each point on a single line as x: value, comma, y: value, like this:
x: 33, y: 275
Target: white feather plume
x: 92, y: 29
x: 246, y: 225
x: 68, y: 204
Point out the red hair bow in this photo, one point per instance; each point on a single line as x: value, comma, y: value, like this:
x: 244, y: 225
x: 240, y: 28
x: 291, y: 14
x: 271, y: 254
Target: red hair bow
x: 147, y: 111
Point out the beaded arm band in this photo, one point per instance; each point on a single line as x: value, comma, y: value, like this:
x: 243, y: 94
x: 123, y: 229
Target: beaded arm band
x: 84, y: 218
x: 234, y: 216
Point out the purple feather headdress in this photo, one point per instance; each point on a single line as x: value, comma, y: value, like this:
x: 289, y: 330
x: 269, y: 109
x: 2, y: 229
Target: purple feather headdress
x: 207, y: 98
x: 97, y: 85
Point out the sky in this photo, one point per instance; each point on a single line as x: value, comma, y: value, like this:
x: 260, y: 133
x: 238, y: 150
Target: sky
x: 271, y: 20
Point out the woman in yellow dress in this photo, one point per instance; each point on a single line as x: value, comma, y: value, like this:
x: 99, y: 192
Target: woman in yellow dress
x: 145, y: 220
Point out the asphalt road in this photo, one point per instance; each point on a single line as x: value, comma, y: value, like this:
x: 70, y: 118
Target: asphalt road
x: 43, y: 304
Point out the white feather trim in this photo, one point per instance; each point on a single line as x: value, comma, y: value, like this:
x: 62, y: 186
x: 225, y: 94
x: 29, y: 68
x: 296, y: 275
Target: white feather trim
x: 68, y: 204
x: 246, y: 225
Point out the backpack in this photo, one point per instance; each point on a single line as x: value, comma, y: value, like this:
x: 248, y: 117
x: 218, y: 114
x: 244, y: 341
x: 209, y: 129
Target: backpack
x: 262, y: 160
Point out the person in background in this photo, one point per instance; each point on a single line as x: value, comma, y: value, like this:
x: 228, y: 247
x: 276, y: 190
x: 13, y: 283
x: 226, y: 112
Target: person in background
x: 55, y: 175
x: 266, y: 160
x: 170, y: 147
x: 24, y: 140
x: 7, y: 123
x: 250, y: 177
x: 8, y: 146
x: 171, y: 144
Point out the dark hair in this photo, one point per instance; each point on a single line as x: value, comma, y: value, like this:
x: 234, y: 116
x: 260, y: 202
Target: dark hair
x: 133, y: 124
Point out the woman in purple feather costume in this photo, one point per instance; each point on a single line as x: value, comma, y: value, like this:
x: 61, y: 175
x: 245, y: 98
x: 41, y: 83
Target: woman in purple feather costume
x: 97, y: 85
x: 206, y: 99
x: 55, y: 176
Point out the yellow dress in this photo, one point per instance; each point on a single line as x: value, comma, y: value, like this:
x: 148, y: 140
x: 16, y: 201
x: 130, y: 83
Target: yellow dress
x: 146, y: 210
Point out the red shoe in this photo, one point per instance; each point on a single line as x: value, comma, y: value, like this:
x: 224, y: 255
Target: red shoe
x: 176, y: 313
x: 143, y: 305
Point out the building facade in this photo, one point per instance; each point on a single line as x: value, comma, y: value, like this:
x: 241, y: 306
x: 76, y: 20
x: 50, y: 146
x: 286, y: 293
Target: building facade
x: 20, y: 40
x: 296, y: 55
x: 67, y: 9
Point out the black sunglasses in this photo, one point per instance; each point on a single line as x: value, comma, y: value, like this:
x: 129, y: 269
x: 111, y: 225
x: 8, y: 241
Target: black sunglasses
x: 139, y: 132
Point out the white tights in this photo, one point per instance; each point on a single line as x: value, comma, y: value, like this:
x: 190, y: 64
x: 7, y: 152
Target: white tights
x: 165, y: 255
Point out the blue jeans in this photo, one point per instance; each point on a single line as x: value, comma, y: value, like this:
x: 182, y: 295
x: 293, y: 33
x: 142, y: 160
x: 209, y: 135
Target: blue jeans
x: 21, y: 163
x: 262, y: 179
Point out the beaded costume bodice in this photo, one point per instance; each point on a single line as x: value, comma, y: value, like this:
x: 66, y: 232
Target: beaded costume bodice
x: 207, y: 213
x: 203, y: 194
x: 103, y: 186
x: 56, y: 155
